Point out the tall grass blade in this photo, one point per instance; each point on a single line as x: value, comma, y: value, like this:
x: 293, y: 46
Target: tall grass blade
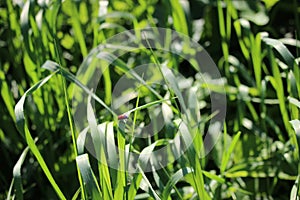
x: 17, y: 177
x: 98, y: 138
x: 177, y: 176
x: 179, y: 18
x: 88, y: 177
x: 225, y: 159
x: 23, y: 129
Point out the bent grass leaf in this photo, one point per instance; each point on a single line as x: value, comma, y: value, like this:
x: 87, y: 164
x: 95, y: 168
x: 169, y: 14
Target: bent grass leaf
x: 90, y: 184
x: 294, y: 101
x: 282, y: 50
x: 98, y: 138
x: 144, y: 158
x: 174, y: 179
x: 23, y: 129
x: 17, y: 178
x: 227, y: 155
x: 147, y: 187
x: 52, y: 66
x: 179, y: 18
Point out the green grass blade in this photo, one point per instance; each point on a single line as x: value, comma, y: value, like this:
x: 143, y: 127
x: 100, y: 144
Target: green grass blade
x: 174, y: 179
x: 225, y: 47
x: 282, y: 50
x: 213, y: 177
x: 121, y: 176
x: 146, y: 186
x: 294, y: 101
x: 88, y: 177
x: 295, y: 190
x: 296, y: 138
x: 256, y: 56
x: 134, y: 186
x: 225, y: 158
x: 76, y: 195
x: 22, y: 127
x: 277, y: 83
x: 179, y: 18
x: 78, y: 30
x: 73, y: 79
x: 98, y: 138
x: 238, y: 28
x: 9, y: 193
x: 17, y: 178
x: 7, y: 96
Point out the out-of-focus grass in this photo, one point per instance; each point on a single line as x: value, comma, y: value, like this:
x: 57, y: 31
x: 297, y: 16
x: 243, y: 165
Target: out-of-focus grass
x: 256, y: 48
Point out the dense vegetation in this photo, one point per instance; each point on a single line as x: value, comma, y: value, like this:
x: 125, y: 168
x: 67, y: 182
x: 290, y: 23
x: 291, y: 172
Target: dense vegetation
x: 44, y: 44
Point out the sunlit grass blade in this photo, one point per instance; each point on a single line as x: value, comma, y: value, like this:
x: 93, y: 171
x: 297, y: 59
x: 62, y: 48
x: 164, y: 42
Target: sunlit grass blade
x: 143, y: 162
x: 294, y: 101
x: 295, y: 190
x: 223, y: 32
x: 177, y: 176
x: 76, y: 195
x: 228, y: 153
x: 74, y: 80
x: 17, y: 178
x: 146, y: 186
x: 179, y: 17
x: 23, y: 128
x: 90, y: 184
x: 119, y: 192
x: 7, y: 96
x: 98, y: 138
x: 282, y: 50
x: 134, y: 186
x: 80, y: 142
x: 78, y: 31
x: 122, y: 66
x: 296, y: 125
x: 256, y: 56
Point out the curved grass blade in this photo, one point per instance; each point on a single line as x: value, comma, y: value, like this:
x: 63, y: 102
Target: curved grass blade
x: 296, y: 125
x: 73, y: 79
x: 174, y: 179
x: 143, y: 160
x: 81, y: 141
x: 121, y: 174
x: 227, y: 155
x: 75, y: 196
x: 98, y: 137
x: 23, y: 129
x: 88, y: 177
x: 125, y: 15
x: 295, y: 190
x: 282, y: 50
x: 6, y: 95
x: 294, y: 101
x: 17, y: 178
x: 146, y: 185
x: 179, y: 18
x: 122, y: 66
x: 9, y: 196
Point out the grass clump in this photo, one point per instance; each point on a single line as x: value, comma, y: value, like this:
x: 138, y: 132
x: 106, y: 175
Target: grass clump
x: 45, y: 44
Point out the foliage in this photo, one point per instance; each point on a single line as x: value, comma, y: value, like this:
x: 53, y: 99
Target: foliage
x: 254, y: 43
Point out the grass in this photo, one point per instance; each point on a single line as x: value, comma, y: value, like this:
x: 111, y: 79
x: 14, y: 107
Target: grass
x: 51, y: 53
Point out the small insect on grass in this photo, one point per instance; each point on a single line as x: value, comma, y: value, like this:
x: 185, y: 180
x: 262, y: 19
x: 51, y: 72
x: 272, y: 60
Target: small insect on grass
x: 123, y: 116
